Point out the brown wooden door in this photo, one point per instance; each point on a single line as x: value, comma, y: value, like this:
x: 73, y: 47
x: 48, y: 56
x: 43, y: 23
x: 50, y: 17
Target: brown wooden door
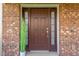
x: 39, y: 29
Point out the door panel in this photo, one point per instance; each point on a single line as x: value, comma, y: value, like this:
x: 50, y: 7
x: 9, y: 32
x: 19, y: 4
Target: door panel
x: 39, y: 21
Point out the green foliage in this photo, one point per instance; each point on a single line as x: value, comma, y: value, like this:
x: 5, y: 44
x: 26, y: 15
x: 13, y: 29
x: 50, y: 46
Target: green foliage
x: 22, y: 35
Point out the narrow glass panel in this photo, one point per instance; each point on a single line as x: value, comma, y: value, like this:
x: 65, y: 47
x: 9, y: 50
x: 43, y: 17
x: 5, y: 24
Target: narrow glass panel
x: 26, y: 19
x: 52, y: 27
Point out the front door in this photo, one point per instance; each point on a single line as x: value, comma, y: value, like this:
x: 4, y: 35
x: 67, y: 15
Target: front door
x: 39, y: 29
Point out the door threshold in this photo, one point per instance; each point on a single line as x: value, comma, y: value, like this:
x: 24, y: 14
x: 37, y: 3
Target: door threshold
x: 41, y: 53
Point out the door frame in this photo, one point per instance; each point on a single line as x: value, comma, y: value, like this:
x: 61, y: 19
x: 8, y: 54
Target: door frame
x: 45, y: 5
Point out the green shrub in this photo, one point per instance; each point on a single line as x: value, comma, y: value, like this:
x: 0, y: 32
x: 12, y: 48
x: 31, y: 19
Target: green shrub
x: 23, y: 35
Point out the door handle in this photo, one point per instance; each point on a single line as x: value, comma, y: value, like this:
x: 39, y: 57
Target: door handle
x: 47, y: 28
x: 47, y: 32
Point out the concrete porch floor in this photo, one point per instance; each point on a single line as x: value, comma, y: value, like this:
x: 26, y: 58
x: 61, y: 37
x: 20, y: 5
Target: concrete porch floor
x: 41, y: 53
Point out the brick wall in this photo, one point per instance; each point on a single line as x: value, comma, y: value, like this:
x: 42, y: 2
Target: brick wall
x: 11, y: 19
x: 69, y: 29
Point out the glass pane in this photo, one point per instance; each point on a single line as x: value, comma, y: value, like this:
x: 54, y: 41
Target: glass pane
x: 27, y: 40
x: 52, y: 38
x: 26, y: 19
x: 52, y: 14
x: 26, y: 34
x: 52, y: 21
x: 26, y: 28
x: 52, y: 27
x: 52, y: 17
x: 26, y: 15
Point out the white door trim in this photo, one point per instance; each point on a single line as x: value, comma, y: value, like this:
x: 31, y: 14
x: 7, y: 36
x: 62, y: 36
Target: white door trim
x: 58, y: 29
x: 0, y: 29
